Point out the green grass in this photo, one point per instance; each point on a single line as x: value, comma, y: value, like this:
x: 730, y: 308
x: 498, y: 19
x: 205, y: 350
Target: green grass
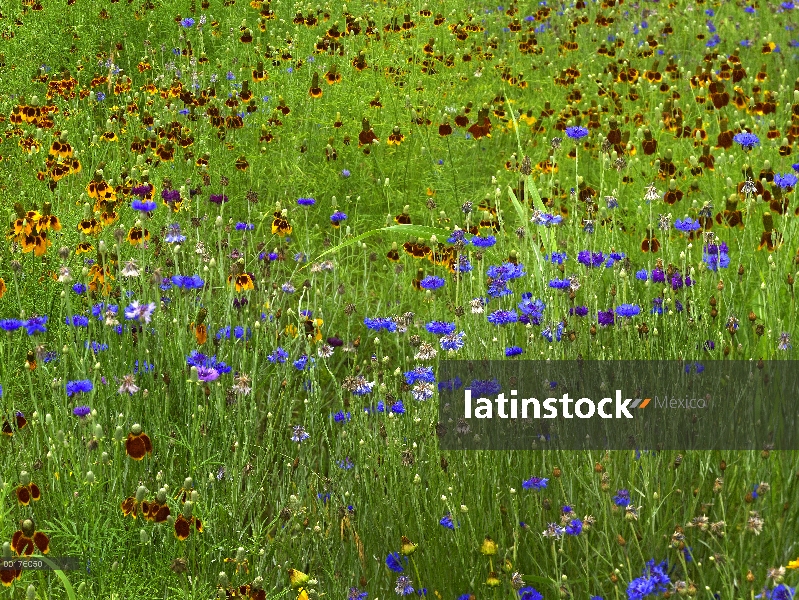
x: 289, y: 505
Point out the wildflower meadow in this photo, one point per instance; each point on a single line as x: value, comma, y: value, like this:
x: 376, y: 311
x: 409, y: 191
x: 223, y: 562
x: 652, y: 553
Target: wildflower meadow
x: 241, y: 236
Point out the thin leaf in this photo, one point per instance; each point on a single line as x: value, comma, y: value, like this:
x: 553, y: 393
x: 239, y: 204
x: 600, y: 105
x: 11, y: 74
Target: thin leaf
x: 523, y: 216
x: 529, y: 184
x: 412, y: 230
x: 60, y: 574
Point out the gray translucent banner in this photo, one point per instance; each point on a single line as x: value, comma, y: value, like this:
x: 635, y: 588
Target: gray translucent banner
x: 37, y: 563
x: 618, y: 405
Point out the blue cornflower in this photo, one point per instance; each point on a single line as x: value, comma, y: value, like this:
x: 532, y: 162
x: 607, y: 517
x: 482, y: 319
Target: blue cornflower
x: 79, y: 288
x: 641, y: 275
x: 498, y: 288
x: 560, y: 284
x: 446, y: 521
x: 147, y: 367
x: 345, y: 172
x: 306, y: 201
x: 785, y: 181
x: 576, y: 133
x: 530, y: 593
x: 81, y: 411
x: 142, y: 191
x: 622, y: 498
x: 654, y: 580
x: 337, y: 217
x: 535, y: 483
x: 301, y: 362
x: 35, y: 325
x: 605, y: 318
x: 403, y: 586
x: 450, y: 385
x: 188, y: 282
x: 557, y: 258
x: 590, y: 259
x: 143, y: 206
x: 503, y: 317
x: 379, y: 323
x: 533, y: 309
x: 578, y: 311
x: 356, y: 594
x: 342, y: 417
x: 431, y: 282
x: 453, y: 341
x: 546, y: 219
x: 79, y: 386
x: 100, y: 96
x: 299, y: 434
x: 381, y: 407
x: 513, y: 351
x: 76, y: 321
x: 244, y: 226
x: 547, y: 332
x: 459, y: 235
x: 483, y: 242
x: 187, y: 22
x: 613, y: 257
x: 485, y: 387
x: 574, y: 527
x: 746, y: 140
x: 398, y: 408
x: 686, y: 225
x: 440, y: 327
x: 463, y: 265
x: 628, y: 310
x: 95, y: 346
x: 716, y: 256
x: 780, y: 592
x: 420, y: 373
x: 363, y: 387
x: 506, y: 271
x: 279, y: 355
x: 345, y: 464
x: 173, y: 235
x: 640, y: 587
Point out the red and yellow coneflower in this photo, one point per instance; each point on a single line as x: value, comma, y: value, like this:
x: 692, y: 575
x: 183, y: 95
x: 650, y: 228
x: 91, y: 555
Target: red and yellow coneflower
x: 243, y: 282
x: 26, y: 539
x: 138, y: 443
